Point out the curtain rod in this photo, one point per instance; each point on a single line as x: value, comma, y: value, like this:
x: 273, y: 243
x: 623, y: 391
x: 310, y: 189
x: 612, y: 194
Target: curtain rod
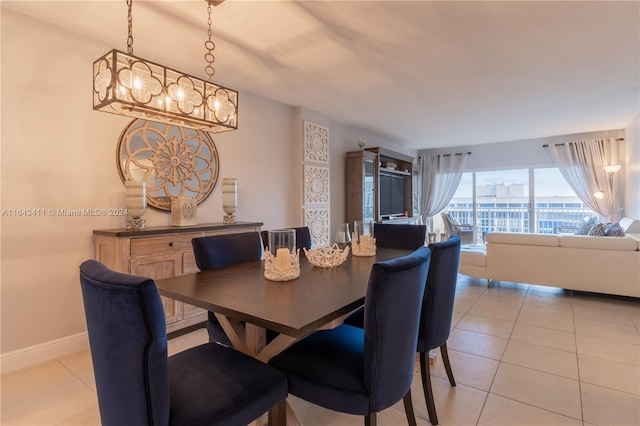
x: 449, y: 155
x: 562, y: 144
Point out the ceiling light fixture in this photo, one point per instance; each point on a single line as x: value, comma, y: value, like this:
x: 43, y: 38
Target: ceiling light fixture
x: 125, y: 84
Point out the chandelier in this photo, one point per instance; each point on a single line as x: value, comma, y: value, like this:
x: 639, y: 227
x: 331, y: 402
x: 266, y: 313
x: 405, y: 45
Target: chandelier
x: 128, y: 85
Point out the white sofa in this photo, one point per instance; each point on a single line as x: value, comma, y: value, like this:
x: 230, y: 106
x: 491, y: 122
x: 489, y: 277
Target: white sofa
x: 609, y: 265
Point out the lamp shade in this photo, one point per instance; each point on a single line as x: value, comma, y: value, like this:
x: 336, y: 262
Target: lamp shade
x: 128, y: 85
x: 612, y: 168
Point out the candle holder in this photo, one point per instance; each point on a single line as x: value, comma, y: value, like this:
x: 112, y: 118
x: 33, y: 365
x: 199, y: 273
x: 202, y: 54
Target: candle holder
x: 229, y: 199
x: 327, y: 257
x: 281, y: 258
x: 342, y: 237
x: 135, y: 201
x: 363, y: 243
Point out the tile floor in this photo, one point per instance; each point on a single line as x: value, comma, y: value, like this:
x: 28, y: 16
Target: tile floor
x: 521, y: 355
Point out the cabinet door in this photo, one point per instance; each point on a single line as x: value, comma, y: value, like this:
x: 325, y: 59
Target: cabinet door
x: 158, y: 267
x: 369, y: 202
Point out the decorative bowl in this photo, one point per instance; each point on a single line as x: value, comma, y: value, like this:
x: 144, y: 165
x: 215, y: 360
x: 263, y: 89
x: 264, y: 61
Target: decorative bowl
x: 390, y: 165
x: 327, y: 257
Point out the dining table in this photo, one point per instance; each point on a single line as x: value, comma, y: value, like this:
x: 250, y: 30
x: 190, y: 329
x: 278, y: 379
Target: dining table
x: 247, y: 304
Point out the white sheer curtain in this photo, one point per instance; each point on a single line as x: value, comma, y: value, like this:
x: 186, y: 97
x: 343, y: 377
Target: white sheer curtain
x: 582, y: 165
x: 440, y: 176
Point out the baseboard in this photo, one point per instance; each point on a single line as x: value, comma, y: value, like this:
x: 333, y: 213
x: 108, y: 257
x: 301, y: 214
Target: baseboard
x: 43, y: 352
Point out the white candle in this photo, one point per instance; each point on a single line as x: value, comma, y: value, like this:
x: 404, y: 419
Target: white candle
x: 282, y: 258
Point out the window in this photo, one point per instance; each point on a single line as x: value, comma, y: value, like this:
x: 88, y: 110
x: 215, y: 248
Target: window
x: 501, y: 201
x: 557, y: 208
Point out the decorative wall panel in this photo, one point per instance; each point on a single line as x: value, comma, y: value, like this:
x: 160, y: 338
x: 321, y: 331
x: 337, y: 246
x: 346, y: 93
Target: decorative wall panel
x: 316, y: 185
x: 316, y: 143
x: 318, y: 222
x: 316, y: 182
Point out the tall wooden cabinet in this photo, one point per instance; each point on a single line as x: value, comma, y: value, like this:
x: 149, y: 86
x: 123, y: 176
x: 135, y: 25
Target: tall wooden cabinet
x: 379, y: 186
x: 161, y: 252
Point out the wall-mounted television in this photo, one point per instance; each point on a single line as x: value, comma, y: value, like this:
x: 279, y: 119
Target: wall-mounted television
x: 391, y: 193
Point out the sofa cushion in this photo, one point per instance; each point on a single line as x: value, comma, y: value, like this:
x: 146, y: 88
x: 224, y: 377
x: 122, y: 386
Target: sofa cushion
x: 523, y: 239
x: 625, y: 243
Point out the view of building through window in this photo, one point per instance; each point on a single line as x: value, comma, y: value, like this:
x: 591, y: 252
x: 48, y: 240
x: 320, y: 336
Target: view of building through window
x: 519, y: 200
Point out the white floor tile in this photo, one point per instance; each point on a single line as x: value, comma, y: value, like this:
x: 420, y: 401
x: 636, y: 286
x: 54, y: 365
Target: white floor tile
x: 543, y: 390
x: 611, y: 350
x: 602, y: 406
x: 542, y: 336
x: 477, y: 344
x: 623, y: 333
x: 541, y: 358
x: 490, y: 326
x: 609, y: 374
x: 502, y: 411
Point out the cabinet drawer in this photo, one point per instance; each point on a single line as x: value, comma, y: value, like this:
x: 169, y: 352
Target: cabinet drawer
x: 164, y: 244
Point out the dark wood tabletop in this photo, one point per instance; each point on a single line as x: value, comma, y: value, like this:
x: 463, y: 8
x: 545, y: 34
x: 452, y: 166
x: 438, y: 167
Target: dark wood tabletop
x: 294, y: 308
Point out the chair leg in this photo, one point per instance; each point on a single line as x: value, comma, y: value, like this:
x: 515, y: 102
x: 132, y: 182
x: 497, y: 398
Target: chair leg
x: 426, y: 386
x: 408, y: 409
x: 278, y: 414
x: 447, y: 365
x: 370, y: 419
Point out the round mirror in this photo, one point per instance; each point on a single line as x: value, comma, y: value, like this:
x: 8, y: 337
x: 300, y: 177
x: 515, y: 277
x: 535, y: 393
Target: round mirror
x: 173, y: 161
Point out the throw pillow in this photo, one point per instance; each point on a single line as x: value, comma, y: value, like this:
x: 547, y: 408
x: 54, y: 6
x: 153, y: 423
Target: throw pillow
x: 597, y: 230
x: 584, y: 229
x: 585, y: 226
x: 613, y: 230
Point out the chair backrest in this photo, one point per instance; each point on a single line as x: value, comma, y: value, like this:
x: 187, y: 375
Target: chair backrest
x: 391, y: 318
x: 399, y: 236
x: 128, y: 340
x: 440, y: 293
x: 303, y: 237
x: 446, y: 220
x: 218, y: 251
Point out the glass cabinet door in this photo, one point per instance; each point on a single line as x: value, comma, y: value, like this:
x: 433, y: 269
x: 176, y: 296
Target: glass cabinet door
x: 369, y: 190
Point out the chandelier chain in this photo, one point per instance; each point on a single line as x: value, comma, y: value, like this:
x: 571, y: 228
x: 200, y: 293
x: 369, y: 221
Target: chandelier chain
x: 130, y: 33
x: 210, y: 46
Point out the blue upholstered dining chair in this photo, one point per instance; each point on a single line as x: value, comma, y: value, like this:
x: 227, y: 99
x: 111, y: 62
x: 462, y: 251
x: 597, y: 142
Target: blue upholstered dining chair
x: 303, y: 237
x: 364, y: 371
x: 398, y: 236
x: 218, y: 251
x: 138, y: 385
x: 437, y: 311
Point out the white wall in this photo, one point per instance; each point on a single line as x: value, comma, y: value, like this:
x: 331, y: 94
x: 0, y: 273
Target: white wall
x: 57, y: 153
x: 518, y: 154
x: 632, y: 167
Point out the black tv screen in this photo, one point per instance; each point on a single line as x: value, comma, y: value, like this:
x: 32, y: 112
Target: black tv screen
x: 391, y: 195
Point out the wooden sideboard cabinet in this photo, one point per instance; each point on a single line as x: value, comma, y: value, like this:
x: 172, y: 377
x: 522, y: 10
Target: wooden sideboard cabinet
x: 161, y: 252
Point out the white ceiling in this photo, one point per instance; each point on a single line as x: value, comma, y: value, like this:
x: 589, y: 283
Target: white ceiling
x: 424, y: 73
